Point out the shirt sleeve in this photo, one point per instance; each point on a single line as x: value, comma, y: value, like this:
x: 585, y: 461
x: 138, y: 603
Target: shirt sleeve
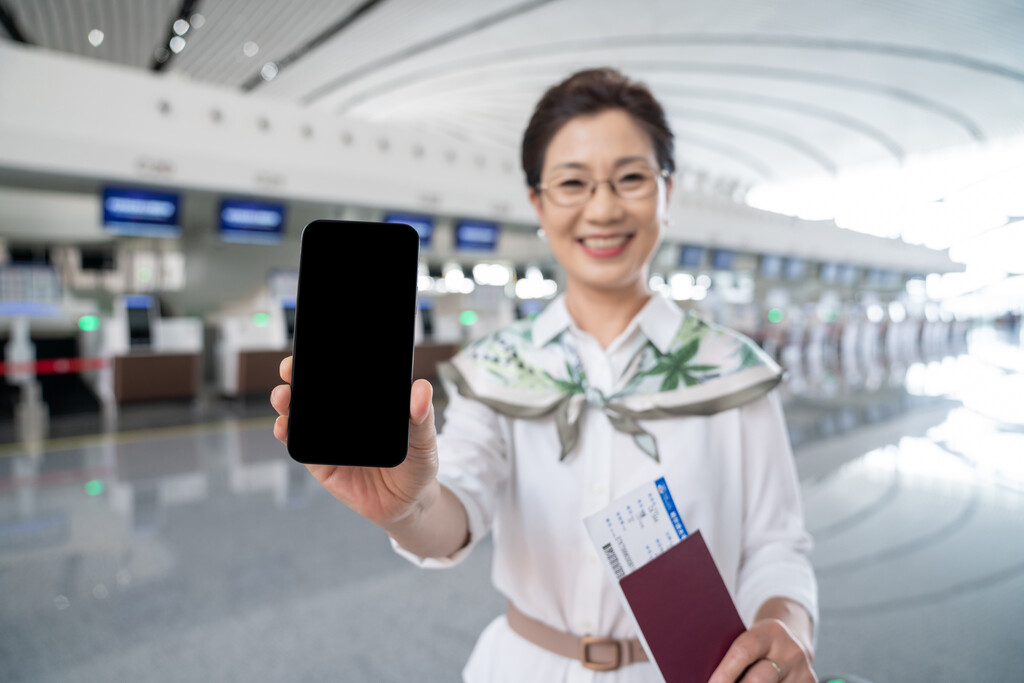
x: 776, y: 544
x: 473, y: 465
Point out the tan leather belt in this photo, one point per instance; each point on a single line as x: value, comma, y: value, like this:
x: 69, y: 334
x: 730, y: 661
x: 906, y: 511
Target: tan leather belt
x: 593, y: 652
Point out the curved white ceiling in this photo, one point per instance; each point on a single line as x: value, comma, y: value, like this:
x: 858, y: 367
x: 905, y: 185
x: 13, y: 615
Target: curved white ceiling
x: 756, y: 91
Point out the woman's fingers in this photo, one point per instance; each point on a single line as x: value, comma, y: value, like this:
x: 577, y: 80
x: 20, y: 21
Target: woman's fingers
x: 281, y: 429
x: 280, y: 398
x: 286, y: 370
x: 747, y: 658
x: 749, y: 647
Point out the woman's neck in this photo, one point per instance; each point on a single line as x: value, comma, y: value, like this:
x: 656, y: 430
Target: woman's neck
x: 605, y: 314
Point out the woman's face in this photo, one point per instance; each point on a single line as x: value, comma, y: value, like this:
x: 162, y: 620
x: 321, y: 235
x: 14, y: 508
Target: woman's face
x: 605, y: 243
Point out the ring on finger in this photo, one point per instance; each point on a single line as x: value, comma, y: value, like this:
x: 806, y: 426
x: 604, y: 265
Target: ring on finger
x: 778, y: 669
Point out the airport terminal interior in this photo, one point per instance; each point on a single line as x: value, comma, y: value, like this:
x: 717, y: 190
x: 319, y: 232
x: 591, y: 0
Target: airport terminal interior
x: 847, y: 194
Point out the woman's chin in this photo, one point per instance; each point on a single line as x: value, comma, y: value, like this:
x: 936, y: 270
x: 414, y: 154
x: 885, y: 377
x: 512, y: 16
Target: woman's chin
x: 609, y: 283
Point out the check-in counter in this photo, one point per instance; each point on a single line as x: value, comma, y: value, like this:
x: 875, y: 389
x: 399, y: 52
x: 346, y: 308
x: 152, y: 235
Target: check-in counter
x: 249, y: 350
x: 170, y: 367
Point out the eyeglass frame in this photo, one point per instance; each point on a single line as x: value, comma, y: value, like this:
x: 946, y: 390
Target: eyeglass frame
x: 658, y: 175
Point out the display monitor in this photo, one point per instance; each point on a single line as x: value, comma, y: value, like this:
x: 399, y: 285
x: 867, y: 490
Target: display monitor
x: 95, y: 258
x: 141, y: 309
x: 828, y: 273
x: 141, y: 213
x: 691, y: 257
x: 251, y: 222
x: 34, y: 255
x: 796, y: 269
x: 770, y: 266
x: 426, y: 308
x: 424, y: 225
x: 476, y: 235
x: 722, y: 259
x: 879, y: 278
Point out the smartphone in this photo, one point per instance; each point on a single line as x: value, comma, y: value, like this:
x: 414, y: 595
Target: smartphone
x: 352, y: 349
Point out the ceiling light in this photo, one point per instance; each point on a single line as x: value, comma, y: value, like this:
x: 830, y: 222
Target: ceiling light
x: 180, y: 27
x: 197, y: 20
x: 95, y: 37
x: 269, y: 71
x: 250, y: 49
x: 177, y: 44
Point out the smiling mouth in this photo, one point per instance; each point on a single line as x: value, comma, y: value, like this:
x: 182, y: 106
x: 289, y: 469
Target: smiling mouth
x: 604, y: 242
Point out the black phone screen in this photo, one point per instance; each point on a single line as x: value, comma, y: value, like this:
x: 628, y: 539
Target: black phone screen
x: 352, y: 350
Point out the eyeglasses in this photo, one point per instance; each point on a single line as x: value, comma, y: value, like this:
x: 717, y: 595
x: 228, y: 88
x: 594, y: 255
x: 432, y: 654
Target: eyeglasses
x: 575, y: 188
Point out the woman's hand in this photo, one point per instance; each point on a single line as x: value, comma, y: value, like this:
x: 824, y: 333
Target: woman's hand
x: 749, y: 659
x: 385, y: 496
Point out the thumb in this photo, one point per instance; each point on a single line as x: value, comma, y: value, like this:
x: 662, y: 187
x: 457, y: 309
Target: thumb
x: 422, y: 435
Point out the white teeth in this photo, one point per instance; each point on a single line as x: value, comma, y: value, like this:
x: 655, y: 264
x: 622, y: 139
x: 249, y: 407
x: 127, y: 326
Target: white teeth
x: 605, y: 242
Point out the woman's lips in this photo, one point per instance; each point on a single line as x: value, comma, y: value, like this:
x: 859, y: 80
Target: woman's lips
x: 604, y: 246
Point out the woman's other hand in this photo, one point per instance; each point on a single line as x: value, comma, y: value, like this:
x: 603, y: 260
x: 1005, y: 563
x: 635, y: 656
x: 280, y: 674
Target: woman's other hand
x: 749, y: 659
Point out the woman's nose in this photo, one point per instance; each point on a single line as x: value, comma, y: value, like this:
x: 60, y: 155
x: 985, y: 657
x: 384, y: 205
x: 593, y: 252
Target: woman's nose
x: 604, y: 205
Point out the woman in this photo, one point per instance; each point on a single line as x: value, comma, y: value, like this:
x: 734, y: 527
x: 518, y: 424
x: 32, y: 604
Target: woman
x: 609, y: 388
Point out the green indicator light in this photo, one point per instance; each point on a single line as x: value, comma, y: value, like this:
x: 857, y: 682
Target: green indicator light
x: 94, y: 487
x: 261, y: 320
x: 831, y: 318
x: 775, y: 315
x: 836, y: 680
x: 468, y: 317
x: 88, y: 323
x: 143, y: 274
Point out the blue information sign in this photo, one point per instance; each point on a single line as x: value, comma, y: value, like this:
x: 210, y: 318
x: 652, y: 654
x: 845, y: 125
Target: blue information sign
x: 253, y: 222
x: 141, y: 212
x: 476, y: 235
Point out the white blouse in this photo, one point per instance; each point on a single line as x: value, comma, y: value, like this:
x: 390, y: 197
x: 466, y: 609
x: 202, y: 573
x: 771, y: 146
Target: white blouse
x: 731, y: 474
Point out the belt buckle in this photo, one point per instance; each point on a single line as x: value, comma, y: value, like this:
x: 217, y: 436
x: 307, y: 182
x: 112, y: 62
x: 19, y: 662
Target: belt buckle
x: 587, y: 641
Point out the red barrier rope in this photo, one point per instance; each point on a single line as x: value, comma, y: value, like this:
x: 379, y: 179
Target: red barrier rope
x: 54, y: 366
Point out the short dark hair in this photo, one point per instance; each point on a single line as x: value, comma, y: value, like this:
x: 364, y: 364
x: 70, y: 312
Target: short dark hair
x: 590, y: 92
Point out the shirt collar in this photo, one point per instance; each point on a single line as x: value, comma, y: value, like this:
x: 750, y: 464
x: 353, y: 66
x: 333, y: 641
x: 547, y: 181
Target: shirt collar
x: 659, y: 320
x: 550, y: 322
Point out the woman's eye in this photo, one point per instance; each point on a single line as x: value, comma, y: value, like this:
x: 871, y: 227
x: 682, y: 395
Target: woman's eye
x: 571, y: 184
x: 631, y: 178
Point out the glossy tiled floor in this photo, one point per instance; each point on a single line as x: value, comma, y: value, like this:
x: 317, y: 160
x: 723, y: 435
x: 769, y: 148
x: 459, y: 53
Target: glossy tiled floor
x: 201, y: 552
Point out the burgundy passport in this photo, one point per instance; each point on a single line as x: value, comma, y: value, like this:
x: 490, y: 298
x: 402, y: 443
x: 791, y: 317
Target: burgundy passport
x: 684, y: 611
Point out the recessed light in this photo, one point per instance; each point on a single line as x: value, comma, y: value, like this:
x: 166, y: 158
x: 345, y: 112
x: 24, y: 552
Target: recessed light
x: 180, y: 27
x: 250, y: 48
x: 95, y: 37
x: 177, y: 44
x: 197, y: 20
x: 269, y: 71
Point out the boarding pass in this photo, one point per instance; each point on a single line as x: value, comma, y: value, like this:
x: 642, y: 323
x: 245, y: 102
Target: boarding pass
x: 636, y: 528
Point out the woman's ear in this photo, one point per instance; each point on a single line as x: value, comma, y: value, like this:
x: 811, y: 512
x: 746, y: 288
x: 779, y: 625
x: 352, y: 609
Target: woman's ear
x: 534, y: 198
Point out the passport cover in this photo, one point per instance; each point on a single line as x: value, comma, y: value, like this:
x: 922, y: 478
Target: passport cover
x: 684, y: 611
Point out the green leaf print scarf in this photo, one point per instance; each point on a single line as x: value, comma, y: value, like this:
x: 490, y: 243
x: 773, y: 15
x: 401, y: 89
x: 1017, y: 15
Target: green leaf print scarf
x: 706, y: 370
